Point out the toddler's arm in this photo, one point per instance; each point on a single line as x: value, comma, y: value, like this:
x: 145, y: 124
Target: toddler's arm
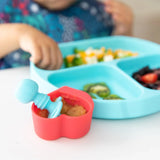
x: 44, y: 51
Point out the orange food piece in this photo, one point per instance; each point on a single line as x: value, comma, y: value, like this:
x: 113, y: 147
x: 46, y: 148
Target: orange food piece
x: 43, y: 113
x: 91, y: 54
x: 72, y: 110
x: 65, y: 107
x: 76, y: 111
x: 100, y: 56
x: 70, y: 58
x: 83, y: 56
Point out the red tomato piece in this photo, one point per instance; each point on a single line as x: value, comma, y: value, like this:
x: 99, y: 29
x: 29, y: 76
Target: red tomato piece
x: 149, y: 78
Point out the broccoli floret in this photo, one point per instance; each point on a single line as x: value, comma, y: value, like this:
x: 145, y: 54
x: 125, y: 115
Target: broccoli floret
x: 77, y: 61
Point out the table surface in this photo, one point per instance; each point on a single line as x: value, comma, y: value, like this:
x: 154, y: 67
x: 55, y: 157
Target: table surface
x: 134, y: 139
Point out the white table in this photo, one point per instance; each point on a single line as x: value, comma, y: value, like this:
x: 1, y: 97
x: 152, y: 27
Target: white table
x: 135, y: 139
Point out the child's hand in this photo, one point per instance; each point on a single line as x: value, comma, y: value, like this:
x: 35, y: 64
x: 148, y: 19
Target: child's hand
x: 122, y: 16
x: 44, y: 51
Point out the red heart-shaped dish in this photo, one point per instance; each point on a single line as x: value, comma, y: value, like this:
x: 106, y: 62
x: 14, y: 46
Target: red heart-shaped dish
x: 64, y: 125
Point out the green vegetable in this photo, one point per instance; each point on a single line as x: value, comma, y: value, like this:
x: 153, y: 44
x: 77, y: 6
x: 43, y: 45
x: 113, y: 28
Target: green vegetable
x: 113, y: 96
x: 67, y: 64
x: 103, y: 94
x: 101, y: 89
x: 77, y: 61
x: 87, y: 86
x: 100, y: 60
x: 76, y: 50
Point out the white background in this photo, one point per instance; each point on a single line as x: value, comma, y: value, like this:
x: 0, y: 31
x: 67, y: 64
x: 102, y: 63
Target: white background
x: 146, y: 18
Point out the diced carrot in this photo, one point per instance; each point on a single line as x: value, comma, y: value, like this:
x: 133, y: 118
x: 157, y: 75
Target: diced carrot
x: 83, y: 56
x: 91, y: 54
x: 70, y: 58
x: 100, y: 56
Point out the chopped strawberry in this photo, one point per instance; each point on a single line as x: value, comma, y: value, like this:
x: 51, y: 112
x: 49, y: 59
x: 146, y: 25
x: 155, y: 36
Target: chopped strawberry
x: 149, y: 78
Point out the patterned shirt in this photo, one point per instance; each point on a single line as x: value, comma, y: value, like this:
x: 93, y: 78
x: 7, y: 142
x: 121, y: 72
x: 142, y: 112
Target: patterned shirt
x: 84, y: 19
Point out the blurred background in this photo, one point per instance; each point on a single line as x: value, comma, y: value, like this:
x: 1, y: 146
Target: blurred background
x: 147, y: 18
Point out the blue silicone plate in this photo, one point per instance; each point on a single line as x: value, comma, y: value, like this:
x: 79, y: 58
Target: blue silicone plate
x: 138, y: 100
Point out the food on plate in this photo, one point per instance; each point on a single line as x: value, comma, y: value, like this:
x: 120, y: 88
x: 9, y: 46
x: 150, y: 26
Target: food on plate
x: 93, y: 56
x: 100, y: 91
x: 148, y: 77
x: 113, y: 96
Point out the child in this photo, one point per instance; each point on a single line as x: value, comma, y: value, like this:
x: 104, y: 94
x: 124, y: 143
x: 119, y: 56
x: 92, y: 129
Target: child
x: 61, y: 20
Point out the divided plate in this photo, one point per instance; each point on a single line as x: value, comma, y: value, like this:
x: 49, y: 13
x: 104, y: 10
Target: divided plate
x: 117, y: 74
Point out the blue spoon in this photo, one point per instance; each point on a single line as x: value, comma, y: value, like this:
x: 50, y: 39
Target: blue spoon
x: 27, y: 91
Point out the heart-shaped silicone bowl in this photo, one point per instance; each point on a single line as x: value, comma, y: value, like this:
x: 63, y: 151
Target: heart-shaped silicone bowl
x: 64, y: 125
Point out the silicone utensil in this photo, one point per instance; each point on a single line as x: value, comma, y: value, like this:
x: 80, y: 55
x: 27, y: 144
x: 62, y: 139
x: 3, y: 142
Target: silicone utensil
x: 27, y: 91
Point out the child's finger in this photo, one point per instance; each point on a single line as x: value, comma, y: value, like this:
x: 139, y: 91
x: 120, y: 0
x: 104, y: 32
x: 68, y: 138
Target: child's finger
x: 116, y: 5
x: 59, y: 59
x: 110, y: 3
x: 113, y: 10
x: 113, y: 3
x: 120, y: 19
x: 45, y: 62
x: 112, y: 6
x: 121, y: 10
x: 36, y: 54
x: 117, y: 18
x: 54, y: 55
x: 53, y: 60
x: 121, y: 6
